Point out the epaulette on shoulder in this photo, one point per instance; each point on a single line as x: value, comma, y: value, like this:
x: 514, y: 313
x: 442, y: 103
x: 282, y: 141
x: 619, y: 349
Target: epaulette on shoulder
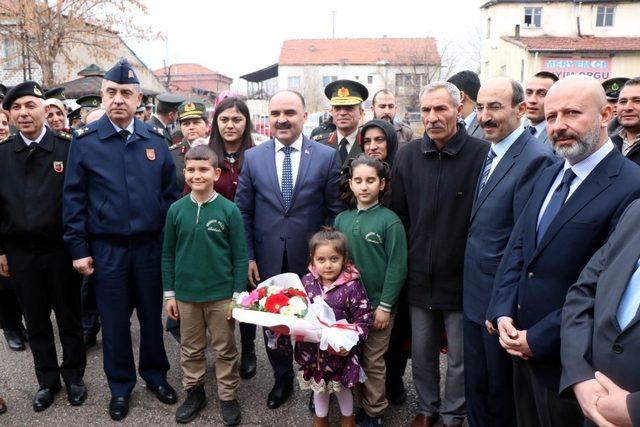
x: 64, y: 135
x: 84, y: 131
x: 156, y: 130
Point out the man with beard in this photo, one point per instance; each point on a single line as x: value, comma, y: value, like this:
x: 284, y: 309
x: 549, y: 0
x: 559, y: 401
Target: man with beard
x: 573, y: 208
x: 514, y: 162
x: 535, y: 91
x: 627, y: 136
x: 384, y: 108
x: 346, y: 98
x: 434, y: 182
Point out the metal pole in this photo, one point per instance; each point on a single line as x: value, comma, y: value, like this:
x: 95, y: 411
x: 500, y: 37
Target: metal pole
x: 333, y: 24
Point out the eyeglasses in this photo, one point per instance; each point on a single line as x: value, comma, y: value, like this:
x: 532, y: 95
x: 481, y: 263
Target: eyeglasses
x: 494, y: 107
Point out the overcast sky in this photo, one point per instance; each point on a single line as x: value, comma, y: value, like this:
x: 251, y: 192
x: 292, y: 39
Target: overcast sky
x: 240, y: 36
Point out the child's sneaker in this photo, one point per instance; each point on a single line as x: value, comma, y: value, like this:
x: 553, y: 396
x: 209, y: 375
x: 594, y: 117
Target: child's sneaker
x: 230, y: 412
x: 192, y: 405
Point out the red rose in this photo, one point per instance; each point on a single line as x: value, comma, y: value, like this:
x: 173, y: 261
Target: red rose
x: 275, y: 302
x: 293, y: 292
x: 262, y: 292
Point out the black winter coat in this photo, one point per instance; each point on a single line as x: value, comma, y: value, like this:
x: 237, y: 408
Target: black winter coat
x: 433, y: 193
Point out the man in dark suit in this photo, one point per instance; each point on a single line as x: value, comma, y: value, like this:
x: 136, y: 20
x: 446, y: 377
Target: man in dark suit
x: 346, y: 98
x: 468, y: 83
x: 515, y: 160
x: 535, y: 91
x: 287, y: 190
x: 573, y: 208
x: 601, y: 329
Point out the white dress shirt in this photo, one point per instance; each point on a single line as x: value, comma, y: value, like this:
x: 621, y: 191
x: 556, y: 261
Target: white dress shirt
x: 129, y: 128
x: 500, y: 148
x: 37, y: 140
x: 295, y: 159
x: 581, y: 169
x: 351, y: 138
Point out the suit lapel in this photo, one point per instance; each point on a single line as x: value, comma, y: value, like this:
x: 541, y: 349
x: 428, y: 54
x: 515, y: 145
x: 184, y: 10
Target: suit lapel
x: 271, y: 169
x: 597, y: 181
x: 305, y: 161
x: 624, y: 266
x: 506, y: 163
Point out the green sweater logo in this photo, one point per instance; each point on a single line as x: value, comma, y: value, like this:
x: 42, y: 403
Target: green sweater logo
x: 215, y: 225
x: 373, y: 237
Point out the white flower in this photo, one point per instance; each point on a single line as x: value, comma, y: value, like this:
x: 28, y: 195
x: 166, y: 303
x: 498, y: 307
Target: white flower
x: 287, y: 311
x: 262, y: 302
x: 297, y: 305
x: 241, y: 296
x: 271, y: 289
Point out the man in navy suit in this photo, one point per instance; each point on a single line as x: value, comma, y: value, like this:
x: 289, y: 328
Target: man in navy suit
x: 288, y: 189
x: 601, y: 329
x: 535, y: 91
x: 573, y: 208
x: 514, y: 162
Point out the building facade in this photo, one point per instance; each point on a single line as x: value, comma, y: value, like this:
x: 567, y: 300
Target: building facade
x: 193, y: 80
x: 598, y: 38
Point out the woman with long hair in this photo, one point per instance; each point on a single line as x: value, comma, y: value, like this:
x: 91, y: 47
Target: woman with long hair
x: 230, y: 138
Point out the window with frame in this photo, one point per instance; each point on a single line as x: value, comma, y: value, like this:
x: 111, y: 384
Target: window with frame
x: 10, y: 54
x: 533, y: 17
x: 293, y: 82
x: 328, y: 79
x: 407, y: 84
x: 604, y: 17
x: 369, y: 79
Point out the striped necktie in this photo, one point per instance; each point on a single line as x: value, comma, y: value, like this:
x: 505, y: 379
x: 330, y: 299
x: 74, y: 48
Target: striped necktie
x: 487, y: 168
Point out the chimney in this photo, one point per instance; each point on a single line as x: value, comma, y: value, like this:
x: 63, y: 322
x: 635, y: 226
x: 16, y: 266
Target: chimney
x: 518, y: 31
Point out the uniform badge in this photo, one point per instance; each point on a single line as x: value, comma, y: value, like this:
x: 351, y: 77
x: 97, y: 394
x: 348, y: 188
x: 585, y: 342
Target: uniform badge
x: 151, y: 154
x: 37, y: 91
x: 343, y: 92
x: 130, y: 74
x: 58, y: 167
x: 189, y: 107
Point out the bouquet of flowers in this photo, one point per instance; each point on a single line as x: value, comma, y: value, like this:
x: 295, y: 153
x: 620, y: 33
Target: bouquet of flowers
x: 274, y: 299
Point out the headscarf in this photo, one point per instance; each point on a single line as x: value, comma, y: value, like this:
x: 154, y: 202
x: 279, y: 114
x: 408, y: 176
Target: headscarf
x: 389, y: 131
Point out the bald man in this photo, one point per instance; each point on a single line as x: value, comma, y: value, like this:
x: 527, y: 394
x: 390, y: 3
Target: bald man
x: 573, y: 208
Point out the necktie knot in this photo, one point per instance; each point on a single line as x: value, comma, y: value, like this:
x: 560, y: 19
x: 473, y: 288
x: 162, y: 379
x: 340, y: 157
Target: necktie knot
x: 287, y: 149
x: 533, y: 130
x: 568, y: 176
x: 491, y: 154
x: 124, y: 134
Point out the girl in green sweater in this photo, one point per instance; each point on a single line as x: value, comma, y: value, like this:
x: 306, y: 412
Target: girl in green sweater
x: 378, y: 245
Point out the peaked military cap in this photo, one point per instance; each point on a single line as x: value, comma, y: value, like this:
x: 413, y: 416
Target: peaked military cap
x: 613, y: 86
x: 57, y: 93
x: 75, y: 114
x: 346, y: 92
x: 192, y: 109
x: 140, y: 109
x: 92, y: 101
x: 170, y: 99
x: 23, y: 89
x: 122, y: 73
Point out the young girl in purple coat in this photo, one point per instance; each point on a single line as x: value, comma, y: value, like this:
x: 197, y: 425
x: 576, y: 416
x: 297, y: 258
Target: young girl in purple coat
x: 333, y: 278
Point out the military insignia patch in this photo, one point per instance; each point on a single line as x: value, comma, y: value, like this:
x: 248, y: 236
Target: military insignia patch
x: 58, y: 166
x: 189, y: 107
x: 37, y: 91
x: 343, y: 92
x: 151, y: 154
x: 130, y: 74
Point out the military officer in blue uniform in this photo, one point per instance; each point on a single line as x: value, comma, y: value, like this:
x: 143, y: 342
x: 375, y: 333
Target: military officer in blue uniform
x: 120, y: 182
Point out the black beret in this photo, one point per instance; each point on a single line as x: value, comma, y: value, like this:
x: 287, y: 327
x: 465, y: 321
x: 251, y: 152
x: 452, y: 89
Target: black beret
x: 23, y: 89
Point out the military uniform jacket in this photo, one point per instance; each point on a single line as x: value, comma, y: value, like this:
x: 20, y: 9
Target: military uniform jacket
x: 155, y: 122
x: 31, y: 189
x: 115, y: 188
x: 177, y: 153
x: 330, y: 139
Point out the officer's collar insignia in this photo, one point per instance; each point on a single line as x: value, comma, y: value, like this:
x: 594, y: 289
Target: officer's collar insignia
x: 343, y: 92
x: 58, y: 166
x: 189, y: 107
x: 37, y: 91
x: 151, y: 154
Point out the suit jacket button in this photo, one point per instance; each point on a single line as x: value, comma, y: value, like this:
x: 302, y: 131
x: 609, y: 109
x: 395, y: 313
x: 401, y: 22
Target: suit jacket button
x: 519, y: 306
x: 530, y: 275
x: 617, y: 348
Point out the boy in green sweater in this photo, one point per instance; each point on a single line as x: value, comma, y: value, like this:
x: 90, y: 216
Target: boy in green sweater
x: 204, y: 265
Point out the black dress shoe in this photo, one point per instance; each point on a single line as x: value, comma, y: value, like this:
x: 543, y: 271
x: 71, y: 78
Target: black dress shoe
x: 247, y: 365
x: 279, y: 394
x: 44, y: 397
x: 14, y: 340
x: 192, y: 405
x: 118, y: 408
x: 165, y: 393
x: 76, y: 393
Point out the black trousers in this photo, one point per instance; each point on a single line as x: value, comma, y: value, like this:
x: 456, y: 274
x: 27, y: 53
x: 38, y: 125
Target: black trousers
x: 90, y: 315
x: 538, y: 406
x: 10, y: 309
x: 280, y: 357
x: 45, y: 280
x: 488, y: 379
x: 399, y: 351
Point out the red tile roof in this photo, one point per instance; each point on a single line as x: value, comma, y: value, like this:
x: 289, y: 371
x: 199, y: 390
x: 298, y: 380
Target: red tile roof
x: 359, y: 51
x: 186, y: 70
x: 577, y: 44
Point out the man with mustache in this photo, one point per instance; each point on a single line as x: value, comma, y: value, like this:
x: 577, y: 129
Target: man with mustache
x: 384, y: 108
x: 514, y: 161
x: 434, y: 184
x: 573, y: 208
x: 119, y: 185
x: 287, y: 190
x: 535, y: 91
x: 346, y: 98
x: 627, y: 135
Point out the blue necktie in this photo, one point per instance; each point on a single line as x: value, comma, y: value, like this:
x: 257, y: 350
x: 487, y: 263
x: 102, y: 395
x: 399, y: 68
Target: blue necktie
x: 287, y: 177
x: 487, y: 168
x: 556, y: 202
x: 532, y: 130
x: 630, y: 300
